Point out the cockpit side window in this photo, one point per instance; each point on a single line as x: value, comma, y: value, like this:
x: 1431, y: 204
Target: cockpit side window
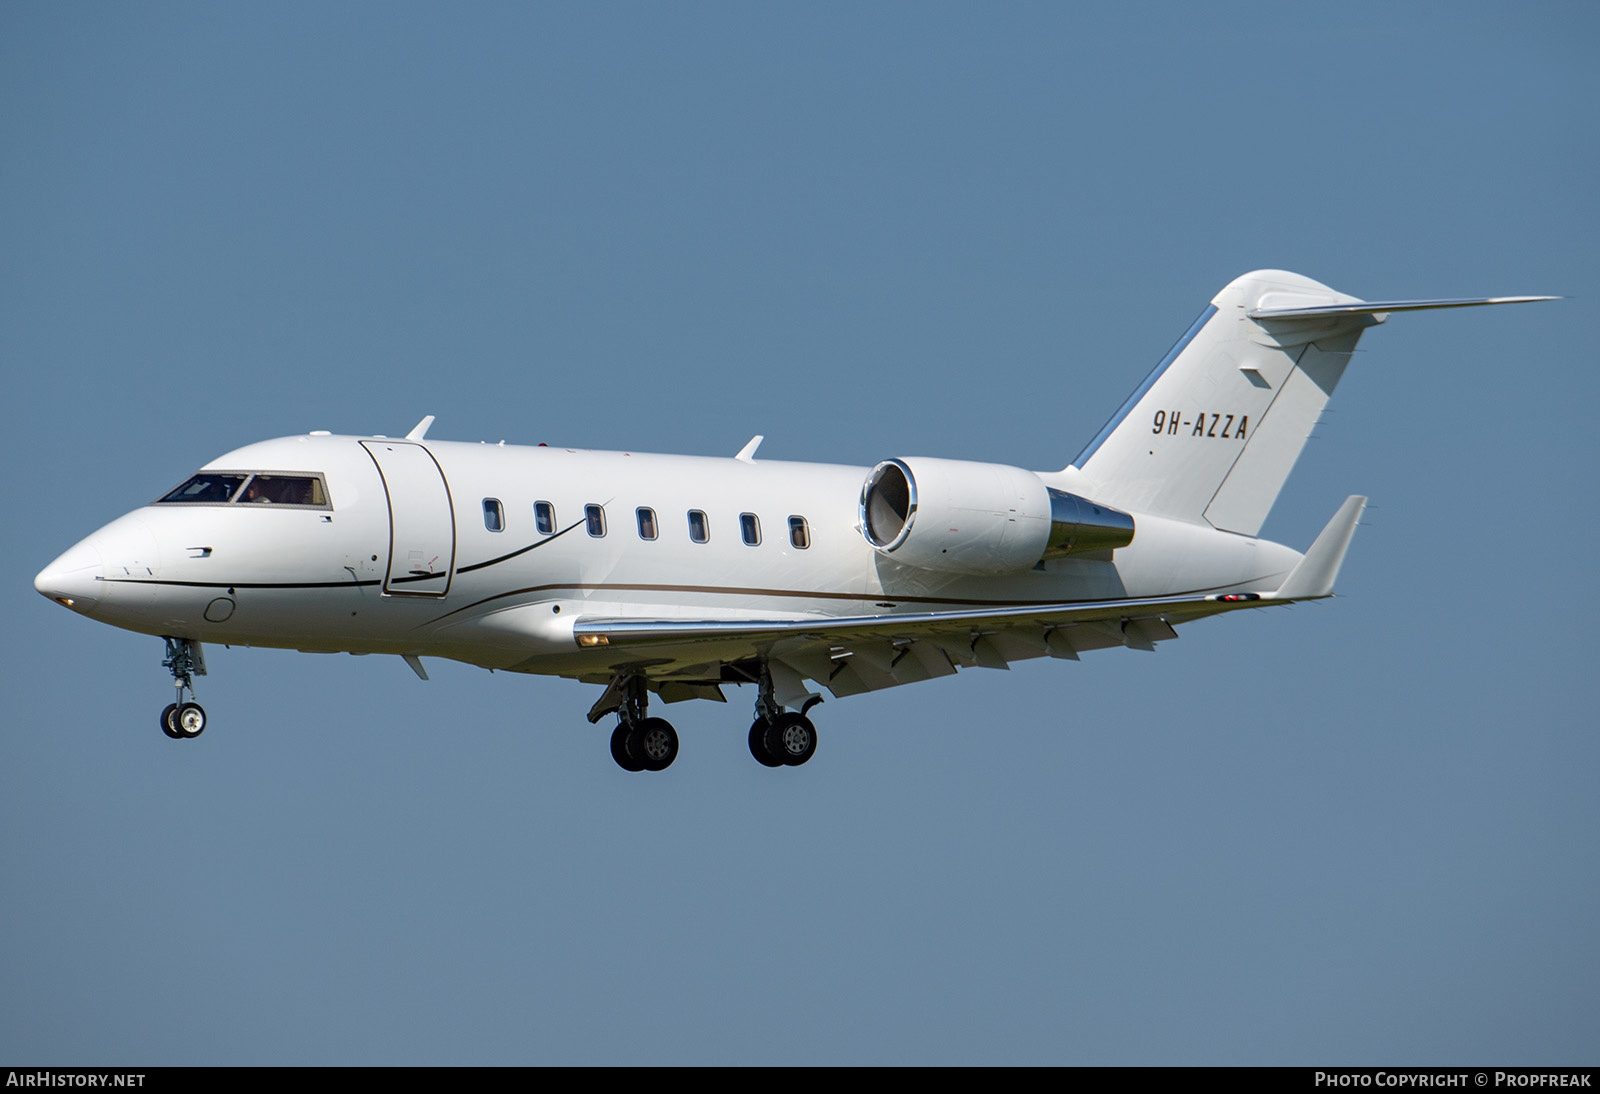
x: 250, y: 488
x: 284, y: 490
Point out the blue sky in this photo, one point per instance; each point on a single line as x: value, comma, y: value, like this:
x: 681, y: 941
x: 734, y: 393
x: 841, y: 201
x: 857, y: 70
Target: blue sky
x: 1358, y: 831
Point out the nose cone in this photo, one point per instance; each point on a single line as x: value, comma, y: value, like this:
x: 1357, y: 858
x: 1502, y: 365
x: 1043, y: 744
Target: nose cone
x: 74, y: 579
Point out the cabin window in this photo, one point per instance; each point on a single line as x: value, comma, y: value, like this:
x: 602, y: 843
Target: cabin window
x: 594, y: 517
x: 494, y: 515
x: 544, y: 518
x: 799, y: 533
x: 647, y: 522
x: 699, y: 528
x: 750, y: 529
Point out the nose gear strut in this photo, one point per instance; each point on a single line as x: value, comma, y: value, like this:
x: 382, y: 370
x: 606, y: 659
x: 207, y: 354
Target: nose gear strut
x: 185, y: 661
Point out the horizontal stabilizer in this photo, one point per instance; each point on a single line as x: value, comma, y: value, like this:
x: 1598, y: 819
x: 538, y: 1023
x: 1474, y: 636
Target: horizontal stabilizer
x: 1384, y: 307
x: 1315, y: 575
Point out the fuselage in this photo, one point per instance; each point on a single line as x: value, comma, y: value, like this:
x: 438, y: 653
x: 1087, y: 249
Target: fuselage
x: 489, y: 554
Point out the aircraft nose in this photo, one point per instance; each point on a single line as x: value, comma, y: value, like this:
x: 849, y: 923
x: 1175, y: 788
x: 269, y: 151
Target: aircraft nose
x: 74, y: 579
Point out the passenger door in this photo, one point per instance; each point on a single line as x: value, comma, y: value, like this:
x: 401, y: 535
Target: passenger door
x: 422, y: 526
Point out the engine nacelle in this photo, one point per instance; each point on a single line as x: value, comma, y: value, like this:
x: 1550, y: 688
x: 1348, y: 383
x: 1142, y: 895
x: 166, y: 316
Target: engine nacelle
x: 980, y: 518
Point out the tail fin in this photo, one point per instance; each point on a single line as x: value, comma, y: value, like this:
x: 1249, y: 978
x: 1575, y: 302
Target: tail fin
x: 1213, y: 432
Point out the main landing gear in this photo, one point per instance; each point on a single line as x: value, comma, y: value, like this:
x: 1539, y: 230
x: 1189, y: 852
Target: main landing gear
x: 779, y: 738
x: 640, y: 743
x: 182, y: 720
x: 787, y: 740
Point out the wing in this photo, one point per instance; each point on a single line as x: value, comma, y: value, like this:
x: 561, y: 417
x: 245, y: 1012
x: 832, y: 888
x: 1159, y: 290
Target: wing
x: 688, y: 659
x: 853, y: 654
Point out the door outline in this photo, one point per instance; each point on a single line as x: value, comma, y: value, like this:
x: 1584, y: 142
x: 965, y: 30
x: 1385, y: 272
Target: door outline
x: 422, y: 525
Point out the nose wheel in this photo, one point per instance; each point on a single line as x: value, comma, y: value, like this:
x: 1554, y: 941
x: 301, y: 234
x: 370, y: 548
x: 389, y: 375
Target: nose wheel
x: 184, y: 720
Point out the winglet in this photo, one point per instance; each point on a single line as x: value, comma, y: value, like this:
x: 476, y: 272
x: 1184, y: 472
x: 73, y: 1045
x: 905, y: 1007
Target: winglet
x: 420, y: 430
x: 1315, y: 575
x: 747, y: 454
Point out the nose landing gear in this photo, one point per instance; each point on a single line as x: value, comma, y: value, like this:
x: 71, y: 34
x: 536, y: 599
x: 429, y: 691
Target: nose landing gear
x: 182, y: 720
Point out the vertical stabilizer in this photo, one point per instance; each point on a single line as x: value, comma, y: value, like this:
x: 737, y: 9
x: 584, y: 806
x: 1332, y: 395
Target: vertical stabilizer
x: 1214, y: 431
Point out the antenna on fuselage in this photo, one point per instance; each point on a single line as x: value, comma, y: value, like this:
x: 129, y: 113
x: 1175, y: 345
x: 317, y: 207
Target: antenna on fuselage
x: 420, y: 430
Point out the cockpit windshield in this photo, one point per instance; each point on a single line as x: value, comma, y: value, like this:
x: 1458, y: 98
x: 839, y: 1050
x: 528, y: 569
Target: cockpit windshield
x: 206, y: 487
x: 250, y: 488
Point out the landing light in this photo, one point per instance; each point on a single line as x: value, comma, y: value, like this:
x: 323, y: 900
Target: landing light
x: 591, y: 640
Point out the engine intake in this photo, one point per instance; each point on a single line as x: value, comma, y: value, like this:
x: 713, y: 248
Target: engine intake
x: 980, y: 518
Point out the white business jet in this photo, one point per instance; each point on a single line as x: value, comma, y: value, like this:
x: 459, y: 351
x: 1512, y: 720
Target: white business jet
x: 673, y: 576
